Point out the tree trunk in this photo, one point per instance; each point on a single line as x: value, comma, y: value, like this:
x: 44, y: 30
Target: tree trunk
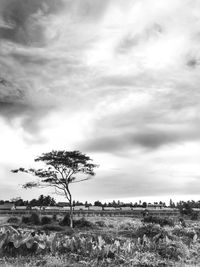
x: 71, y: 214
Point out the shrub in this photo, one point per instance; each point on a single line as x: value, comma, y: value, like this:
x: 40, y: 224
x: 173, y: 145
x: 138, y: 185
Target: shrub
x: 150, y: 230
x: 52, y: 227
x: 26, y: 219
x: 46, y: 220
x: 83, y: 223
x: 13, y: 220
x: 194, y: 216
x: 35, y: 219
x: 184, y: 232
x: 158, y: 220
x: 54, y: 217
x: 66, y: 220
x: 100, y: 223
x: 182, y: 222
x: 174, y: 250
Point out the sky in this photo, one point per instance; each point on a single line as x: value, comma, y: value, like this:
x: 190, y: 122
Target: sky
x: 117, y: 80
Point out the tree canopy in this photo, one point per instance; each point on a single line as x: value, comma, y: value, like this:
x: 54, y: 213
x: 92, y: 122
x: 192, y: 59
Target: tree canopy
x: 62, y: 168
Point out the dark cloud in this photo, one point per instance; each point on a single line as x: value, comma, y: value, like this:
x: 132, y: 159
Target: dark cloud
x: 23, y: 20
x: 193, y: 62
x: 30, y: 59
x: 146, y: 138
x: 30, y: 116
x: 16, y: 104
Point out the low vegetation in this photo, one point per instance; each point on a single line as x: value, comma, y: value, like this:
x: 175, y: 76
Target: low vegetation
x: 151, y: 242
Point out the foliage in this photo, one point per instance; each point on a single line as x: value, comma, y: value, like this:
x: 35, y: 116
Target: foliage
x: 13, y: 220
x: 54, y: 217
x: 77, y: 223
x: 46, y: 220
x: 52, y: 228
x: 150, y: 245
x: 150, y: 230
x: 194, y: 216
x: 26, y: 219
x: 35, y: 218
x: 32, y: 219
x: 158, y: 220
x: 100, y: 223
x: 83, y: 223
x: 66, y: 220
x: 42, y: 201
x: 62, y: 169
x: 174, y: 250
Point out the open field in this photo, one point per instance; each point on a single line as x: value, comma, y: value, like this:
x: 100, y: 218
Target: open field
x: 106, y: 241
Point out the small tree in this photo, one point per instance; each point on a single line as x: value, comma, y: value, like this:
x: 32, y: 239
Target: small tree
x: 62, y: 169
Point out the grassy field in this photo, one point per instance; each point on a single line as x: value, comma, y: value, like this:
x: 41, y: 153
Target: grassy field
x: 95, y: 241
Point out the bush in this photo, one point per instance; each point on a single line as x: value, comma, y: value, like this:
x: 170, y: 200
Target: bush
x: 83, y: 223
x: 54, y: 217
x: 52, y: 227
x: 194, y: 216
x: 35, y: 219
x: 13, y: 220
x: 100, y: 223
x: 66, y: 220
x: 183, y: 232
x: 174, y: 250
x: 46, y: 220
x: 182, y: 222
x: 26, y: 219
x: 149, y: 230
x: 158, y: 220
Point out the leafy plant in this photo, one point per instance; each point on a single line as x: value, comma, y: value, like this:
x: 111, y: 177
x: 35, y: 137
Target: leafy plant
x: 14, y: 220
x: 26, y: 219
x: 158, y: 220
x: 66, y: 220
x: 83, y: 223
x: 35, y: 219
x: 46, y: 220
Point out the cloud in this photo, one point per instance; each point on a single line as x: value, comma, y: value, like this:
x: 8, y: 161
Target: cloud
x: 145, y: 138
x: 102, y: 76
x: 25, y: 21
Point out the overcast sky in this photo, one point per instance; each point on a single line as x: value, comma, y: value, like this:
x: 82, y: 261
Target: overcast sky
x: 118, y: 80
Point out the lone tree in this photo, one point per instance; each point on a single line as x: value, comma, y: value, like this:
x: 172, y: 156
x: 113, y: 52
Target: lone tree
x: 62, y: 169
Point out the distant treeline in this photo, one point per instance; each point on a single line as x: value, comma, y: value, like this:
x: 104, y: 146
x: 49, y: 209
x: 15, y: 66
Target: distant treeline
x: 49, y: 201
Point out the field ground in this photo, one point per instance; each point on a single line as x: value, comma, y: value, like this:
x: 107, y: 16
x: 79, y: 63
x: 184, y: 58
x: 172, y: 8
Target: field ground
x: 107, y: 242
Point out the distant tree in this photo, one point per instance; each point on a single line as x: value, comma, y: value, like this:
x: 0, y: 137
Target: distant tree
x: 33, y: 202
x: 114, y: 204
x: 98, y: 203
x: 186, y: 208
x: 87, y: 204
x: 18, y: 201
x: 46, y: 201
x: 144, y: 205
x: 40, y: 201
x: 62, y: 169
x: 172, y: 204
